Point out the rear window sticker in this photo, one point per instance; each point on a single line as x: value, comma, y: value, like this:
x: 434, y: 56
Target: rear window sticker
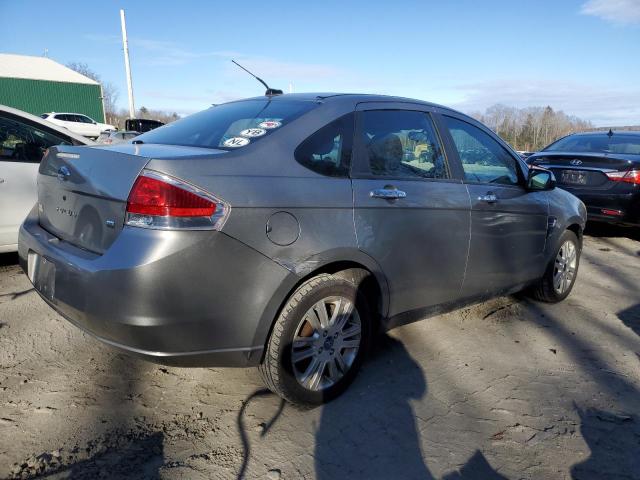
x: 235, y: 142
x: 253, y: 132
x: 269, y: 124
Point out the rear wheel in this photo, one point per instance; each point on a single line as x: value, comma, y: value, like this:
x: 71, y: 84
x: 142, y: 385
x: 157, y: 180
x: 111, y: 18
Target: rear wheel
x: 318, y: 341
x: 560, y: 276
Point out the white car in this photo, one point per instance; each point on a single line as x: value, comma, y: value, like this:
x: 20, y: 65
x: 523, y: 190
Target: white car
x: 78, y: 123
x: 23, y: 140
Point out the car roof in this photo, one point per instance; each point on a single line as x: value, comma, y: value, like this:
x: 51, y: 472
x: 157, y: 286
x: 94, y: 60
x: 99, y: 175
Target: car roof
x: 66, y: 113
x: 352, y: 98
x: 606, y: 132
x: 49, y: 125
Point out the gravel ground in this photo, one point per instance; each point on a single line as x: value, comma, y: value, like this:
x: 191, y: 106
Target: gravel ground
x: 505, y: 389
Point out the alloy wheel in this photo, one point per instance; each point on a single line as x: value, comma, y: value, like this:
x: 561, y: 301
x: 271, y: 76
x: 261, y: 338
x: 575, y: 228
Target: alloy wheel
x: 326, y: 343
x: 565, y: 267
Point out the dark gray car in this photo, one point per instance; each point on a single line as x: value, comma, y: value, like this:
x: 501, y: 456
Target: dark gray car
x: 285, y: 231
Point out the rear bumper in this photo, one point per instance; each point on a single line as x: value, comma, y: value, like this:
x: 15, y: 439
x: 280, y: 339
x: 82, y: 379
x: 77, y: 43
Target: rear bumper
x: 196, y: 298
x: 625, y: 205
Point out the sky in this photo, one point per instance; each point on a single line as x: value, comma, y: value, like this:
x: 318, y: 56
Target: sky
x: 579, y: 56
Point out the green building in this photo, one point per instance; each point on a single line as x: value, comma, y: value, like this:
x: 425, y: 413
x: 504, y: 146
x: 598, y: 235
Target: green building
x: 39, y: 85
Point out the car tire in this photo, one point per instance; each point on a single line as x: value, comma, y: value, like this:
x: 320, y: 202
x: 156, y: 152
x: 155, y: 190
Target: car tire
x: 547, y: 289
x: 286, y: 378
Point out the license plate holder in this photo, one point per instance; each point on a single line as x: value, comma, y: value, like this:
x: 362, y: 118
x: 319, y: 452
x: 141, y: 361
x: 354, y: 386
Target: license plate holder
x: 573, y: 177
x: 42, y: 273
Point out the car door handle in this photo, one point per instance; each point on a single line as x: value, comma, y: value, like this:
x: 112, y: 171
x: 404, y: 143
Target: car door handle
x: 490, y: 197
x: 1, y: 180
x: 387, y: 193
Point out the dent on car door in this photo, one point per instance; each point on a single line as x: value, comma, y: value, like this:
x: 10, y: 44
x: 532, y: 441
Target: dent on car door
x: 411, y: 216
x: 22, y: 145
x: 508, y: 223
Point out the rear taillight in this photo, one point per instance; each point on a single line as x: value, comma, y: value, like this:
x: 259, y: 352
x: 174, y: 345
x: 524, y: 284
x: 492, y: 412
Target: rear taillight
x: 630, y: 176
x: 161, y: 201
x: 611, y: 212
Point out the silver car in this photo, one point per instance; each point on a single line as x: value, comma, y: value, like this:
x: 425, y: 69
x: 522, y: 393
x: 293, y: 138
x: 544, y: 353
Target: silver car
x: 285, y: 231
x: 116, y: 136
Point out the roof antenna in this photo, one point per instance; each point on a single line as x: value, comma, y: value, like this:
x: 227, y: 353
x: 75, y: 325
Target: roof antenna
x: 610, y: 134
x: 270, y: 91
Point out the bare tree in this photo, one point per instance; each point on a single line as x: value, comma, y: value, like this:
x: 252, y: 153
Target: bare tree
x: 530, y: 128
x: 110, y: 92
x: 83, y: 69
x: 110, y: 96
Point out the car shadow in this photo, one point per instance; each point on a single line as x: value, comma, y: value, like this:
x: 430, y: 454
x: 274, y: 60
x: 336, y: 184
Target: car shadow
x: 613, y: 441
x: 8, y: 259
x: 631, y: 318
x: 476, y: 468
x: 606, y: 230
x: 370, y: 431
x: 611, y: 436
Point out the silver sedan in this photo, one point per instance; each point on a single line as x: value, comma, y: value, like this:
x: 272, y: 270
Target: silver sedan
x: 284, y: 231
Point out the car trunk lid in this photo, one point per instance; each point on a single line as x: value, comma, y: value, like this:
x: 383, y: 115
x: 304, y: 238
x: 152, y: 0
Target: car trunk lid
x: 83, y: 191
x: 582, y: 170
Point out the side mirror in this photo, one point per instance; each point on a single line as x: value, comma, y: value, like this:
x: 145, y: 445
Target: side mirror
x: 540, y: 179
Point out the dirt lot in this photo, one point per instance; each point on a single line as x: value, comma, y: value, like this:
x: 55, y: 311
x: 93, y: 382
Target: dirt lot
x: 506, y: 389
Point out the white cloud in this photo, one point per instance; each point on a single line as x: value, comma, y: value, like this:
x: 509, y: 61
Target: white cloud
x: 603, y: 106
x: 156, y: 53
x: 615, y: 11
x: 163, y: 53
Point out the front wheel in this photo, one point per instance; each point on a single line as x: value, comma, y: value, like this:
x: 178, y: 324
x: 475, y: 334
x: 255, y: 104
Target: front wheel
x: 318, y: 341
x: 560, y: 276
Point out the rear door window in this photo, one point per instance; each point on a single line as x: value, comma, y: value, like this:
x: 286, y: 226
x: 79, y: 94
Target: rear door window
x: 402, y: 143
x: 231, y: 125
x: 598, y: 143
x: 83, y: 119
x: 483, y: 159
x: 23, y: 142
x: 328, y: 151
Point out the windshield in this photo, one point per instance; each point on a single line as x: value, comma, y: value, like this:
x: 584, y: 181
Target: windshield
x: 229, y: 126
x: 598, y: 143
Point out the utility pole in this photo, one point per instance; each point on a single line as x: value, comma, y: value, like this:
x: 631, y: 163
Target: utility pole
x: 127, y: 66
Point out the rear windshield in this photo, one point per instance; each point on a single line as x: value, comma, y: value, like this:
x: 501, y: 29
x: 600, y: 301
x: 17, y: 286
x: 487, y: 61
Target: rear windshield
x: 229, y: 126
x: 598, y: 143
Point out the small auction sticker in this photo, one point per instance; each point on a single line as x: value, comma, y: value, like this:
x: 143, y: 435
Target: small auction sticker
x: 235, y: 142
x: 253, y: 132
x: 269, y: 124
